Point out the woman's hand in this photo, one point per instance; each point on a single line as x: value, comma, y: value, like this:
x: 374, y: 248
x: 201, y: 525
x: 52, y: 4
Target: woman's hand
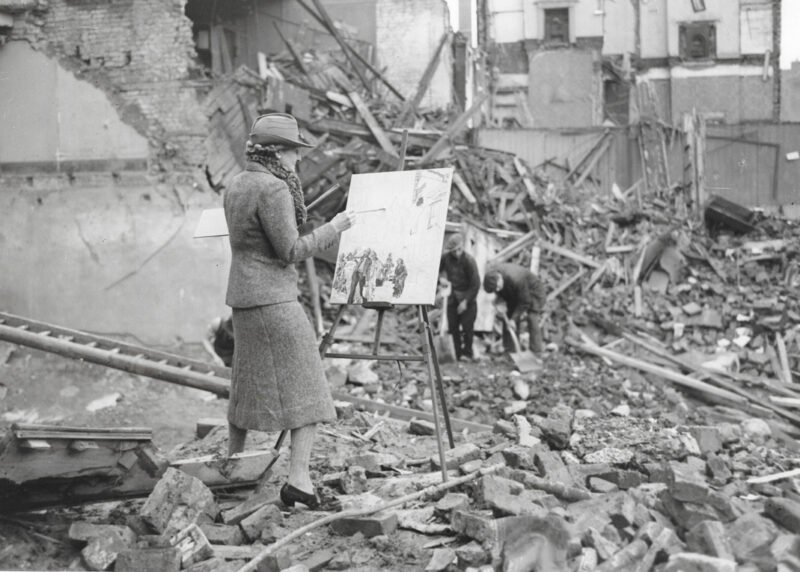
x: 343, y: 221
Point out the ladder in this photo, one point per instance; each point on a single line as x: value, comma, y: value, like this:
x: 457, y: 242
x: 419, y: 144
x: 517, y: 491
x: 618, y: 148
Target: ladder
x: 115, y: 354
x: 165, y: 366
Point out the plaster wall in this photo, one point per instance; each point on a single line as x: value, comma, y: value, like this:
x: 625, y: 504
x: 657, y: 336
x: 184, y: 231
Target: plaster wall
x: 407, y: 34
x: 619, y: 27
x: 111, y: 258
x: 49, y: 115
x: 563, y: 88
x: 790, y: 94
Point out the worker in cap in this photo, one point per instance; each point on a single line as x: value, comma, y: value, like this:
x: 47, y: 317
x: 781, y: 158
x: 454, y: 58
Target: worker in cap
x: 523, y: 294
x: 277, y: 381
x: 461, y: 275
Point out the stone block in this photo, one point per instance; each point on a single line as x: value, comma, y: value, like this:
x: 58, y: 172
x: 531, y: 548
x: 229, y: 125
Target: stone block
x: 518, y: 457
x: 441, y: 559
x: 604, y: 547
x: 587, y: 561
x: 215, y: 564
x: 718, y: 470
x: 256, y: 522
x: 749, y: 533
x: 101, y: 551
x: 509, y: 497
x: 785, y: 512
x: 693, y: 562
x: 471, y: 466
x: 177, y: 501
x: 369, y: 526
x: 241, y: 511
x: 709, y: 537
x: 625, y: 557
x: 551, y: 467
x: 204, y: 425
x: 161, y: 559
x: 344, y: 409
x: 599, y: 485
x: 557, y: 427
x: 478, y: 525
x: 582, y: 473
x: 318, y: 560
x: 687, y: 514
x: 786, y: 551
x: 86, y: 531
x: 373, y: 461
x: 223, y: 534
x: 709, y: 439
x: 471, y: 554
x: 456, y: 457
x: 686, y: 485
x: 421, y: 427
x: 450, y: 502
x: 610, y: 455
x: 353, y: 480
x: 658, y: 472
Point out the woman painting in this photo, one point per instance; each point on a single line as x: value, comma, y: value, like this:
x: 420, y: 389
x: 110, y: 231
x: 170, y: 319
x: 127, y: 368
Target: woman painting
x: 277, y: 380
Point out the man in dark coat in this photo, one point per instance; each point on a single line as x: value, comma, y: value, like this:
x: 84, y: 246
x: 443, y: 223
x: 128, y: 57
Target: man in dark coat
x: 523, y: 293
x: 461, y: 271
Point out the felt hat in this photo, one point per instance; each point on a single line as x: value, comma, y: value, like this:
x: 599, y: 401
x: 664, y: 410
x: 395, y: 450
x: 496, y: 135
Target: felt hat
x: 277, y: 129
x: 453, y: 242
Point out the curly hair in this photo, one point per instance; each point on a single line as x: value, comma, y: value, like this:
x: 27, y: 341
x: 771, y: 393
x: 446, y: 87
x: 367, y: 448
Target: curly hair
x: 268, y: 156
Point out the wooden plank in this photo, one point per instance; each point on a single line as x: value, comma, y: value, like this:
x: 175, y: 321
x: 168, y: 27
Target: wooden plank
x: 372, y: 123
x: 425, y: 81
x: 463, y: 188
x: 566, y: 253
x: 444, y: 141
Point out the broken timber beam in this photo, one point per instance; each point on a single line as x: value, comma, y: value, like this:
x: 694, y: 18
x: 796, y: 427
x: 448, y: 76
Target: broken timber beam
x: 372, y: 123
x: 673, y: 376
x: 457, y: 125
x: 566, y: 253
x: 424, y: 82
x: 117, y: 360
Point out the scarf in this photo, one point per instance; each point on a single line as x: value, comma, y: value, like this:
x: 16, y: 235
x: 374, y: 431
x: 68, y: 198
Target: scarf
x: 270, y: 162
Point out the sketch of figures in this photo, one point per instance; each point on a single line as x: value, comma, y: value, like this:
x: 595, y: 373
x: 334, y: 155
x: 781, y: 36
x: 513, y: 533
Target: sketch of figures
x: 392, y: 254
x: 400, y: 274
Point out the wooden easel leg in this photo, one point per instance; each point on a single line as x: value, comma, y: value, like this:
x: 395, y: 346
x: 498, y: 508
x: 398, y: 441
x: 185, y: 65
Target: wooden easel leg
x: 427, y: 354
x: 327, y: 339
x: 439, y: 383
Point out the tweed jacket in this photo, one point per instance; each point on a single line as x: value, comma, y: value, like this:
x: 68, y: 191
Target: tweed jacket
x: 264, y: 239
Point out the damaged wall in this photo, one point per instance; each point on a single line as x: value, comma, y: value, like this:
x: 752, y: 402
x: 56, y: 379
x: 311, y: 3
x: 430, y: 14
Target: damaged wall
x: 564, y: 88
x: 110, y: 256
x: 790, y: 93
x: 104, y: 243
x: 140, y: 54
x: 407, y: 34
x: 50, y: 116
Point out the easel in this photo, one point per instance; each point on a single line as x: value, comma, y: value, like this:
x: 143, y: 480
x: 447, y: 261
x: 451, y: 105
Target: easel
x: 428, y: 350
x: 428, y: 355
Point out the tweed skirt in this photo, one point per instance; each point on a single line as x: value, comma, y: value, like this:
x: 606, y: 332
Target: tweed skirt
x: 277, y: 381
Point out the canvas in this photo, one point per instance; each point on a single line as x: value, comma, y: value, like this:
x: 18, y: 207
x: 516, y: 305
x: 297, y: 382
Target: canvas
x: 392, y: 254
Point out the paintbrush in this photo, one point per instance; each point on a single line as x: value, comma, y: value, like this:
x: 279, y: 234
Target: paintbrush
x: 370, y: 211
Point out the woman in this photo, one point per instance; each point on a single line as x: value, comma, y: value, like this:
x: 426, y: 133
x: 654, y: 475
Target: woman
x: 277, y: 380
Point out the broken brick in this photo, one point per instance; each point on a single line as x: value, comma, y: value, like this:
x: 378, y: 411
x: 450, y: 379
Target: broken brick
x: 551, y: 466
x: 785, y: 512
x: 479, y: 526
x: 717, y: 469
x: 518, y: 457
x: 599, y: 485
x: 102, y: 551
x: 192, y: 544
x: 177, y: 501
x: 162, y: 559
x: 447, y: 504
x: 557, y: 427
x: 749, y: 533
x: 456, y: 457
x: 222, y: 533
x: 353, y: 480
x: 256, y: 522
x: 693, y: 562
x: 471, y: 554
x: 709, y: 537
x: 709, y: 439
x: 369, y: 526
x: 625, y: 557
x: 373, y: 461
x: 238, y: 513
x: 510, y: 497
x: 604, y: 547
x: 86, y: 531
x: 471, y: 466
x: 421, y: 427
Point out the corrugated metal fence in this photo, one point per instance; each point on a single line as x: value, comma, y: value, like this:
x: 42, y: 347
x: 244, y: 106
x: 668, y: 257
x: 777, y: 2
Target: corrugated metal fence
x: 745, y: 163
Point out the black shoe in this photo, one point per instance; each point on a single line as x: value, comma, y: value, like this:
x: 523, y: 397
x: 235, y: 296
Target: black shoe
x: 291, y: 495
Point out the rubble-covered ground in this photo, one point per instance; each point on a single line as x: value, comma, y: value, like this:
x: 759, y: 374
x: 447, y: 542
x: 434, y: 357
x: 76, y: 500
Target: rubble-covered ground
x: 588, y: 467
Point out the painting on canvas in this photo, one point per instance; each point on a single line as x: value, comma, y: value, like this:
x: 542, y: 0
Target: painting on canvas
x: 392, y: 253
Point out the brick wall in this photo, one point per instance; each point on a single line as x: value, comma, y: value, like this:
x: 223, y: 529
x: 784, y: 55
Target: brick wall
x: 140, y: 53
